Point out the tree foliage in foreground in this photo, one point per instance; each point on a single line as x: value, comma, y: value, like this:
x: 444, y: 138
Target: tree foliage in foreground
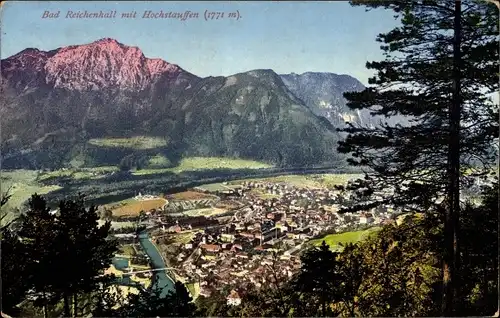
x: 58, y: 258
x: 439, y: 67
x: 86, y: 249
x: 55, y: 255
x: 147, y: 303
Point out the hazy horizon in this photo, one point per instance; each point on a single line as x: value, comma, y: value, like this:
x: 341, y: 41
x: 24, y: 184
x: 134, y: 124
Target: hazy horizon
x: 287, y: 37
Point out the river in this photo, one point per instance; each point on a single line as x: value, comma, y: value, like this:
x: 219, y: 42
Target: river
x: 165, y: 283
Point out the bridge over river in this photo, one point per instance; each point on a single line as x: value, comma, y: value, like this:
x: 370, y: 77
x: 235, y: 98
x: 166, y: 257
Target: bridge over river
x: 150, y: 270
x: 165, y: 283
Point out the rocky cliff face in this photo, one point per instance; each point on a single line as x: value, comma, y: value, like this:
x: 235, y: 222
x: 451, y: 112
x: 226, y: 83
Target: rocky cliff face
x: 56, y: 101
x: 323, y: 94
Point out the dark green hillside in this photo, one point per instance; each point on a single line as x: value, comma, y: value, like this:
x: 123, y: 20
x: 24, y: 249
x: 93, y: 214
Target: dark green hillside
x: 253, y: 115
x: 250, y: 115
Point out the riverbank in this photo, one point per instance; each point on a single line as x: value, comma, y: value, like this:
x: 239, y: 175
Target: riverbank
x: 163, y: 281
x: 171, y: 274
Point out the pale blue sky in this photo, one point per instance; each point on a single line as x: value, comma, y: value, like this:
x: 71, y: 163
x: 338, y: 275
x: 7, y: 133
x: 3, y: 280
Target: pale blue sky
x: 283, y: 36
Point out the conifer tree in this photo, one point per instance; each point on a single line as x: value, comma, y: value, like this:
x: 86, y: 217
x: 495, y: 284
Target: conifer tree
x: 58, y: 253
x: 150, y: 303
x: 84, y: 251
x: 479, y: 274
x: 440, y: 65
x: 38, y: 240
x: 319, y: 279
x: 106, y: 301
x: 14, y: 284
x: 180, y: 302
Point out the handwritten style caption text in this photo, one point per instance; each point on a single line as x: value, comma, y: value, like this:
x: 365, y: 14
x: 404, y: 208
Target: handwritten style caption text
x: 146, y: 14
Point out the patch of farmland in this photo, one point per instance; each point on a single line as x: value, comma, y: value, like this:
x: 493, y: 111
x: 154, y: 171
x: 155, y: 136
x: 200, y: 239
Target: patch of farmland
x: 207, y: 163
x: 138, y: 142
x: 193, y: 204
x: 127, y: 249
x: 205, y: 212
x: 214, y: 187
x: 20, y: 185
x: 228, y: 204
x: 314, y: 181
x: 78, y: 173
x: 335, y: 241
x: 190, y: 195
x: 134, y: 208
x: 157, y: 166
x: 181, y: 238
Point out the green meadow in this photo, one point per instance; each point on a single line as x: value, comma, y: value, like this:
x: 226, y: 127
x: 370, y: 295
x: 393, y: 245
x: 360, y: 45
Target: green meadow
x: 204, y: 163
x: 138, y: 142
x: 336, y: 240
x: 309, y: 181
x: 20, y: 185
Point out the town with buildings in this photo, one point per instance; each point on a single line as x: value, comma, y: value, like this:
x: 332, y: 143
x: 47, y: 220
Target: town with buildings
x: 255, y: 240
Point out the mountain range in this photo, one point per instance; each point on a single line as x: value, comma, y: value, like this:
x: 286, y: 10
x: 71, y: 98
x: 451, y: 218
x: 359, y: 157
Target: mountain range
x: 59, y: 107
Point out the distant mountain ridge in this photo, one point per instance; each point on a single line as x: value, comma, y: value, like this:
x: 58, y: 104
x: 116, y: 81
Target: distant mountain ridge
x: 56, y: 101
x: 323, y: 94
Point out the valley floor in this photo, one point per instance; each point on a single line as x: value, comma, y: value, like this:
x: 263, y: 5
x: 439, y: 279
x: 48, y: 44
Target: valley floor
x: 184, y: 244
x: 208, y: 251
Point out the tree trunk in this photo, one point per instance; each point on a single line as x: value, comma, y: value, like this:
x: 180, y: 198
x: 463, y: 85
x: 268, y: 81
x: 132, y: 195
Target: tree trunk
x: 45, y: 311
x: 323, y: 303
x: 451, y: 226
x: 495, y: 270
x: 67, y: 311
x: 497, y: 261
x: 75, y: 305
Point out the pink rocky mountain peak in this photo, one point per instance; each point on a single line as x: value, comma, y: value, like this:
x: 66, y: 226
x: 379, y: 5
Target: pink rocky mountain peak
x: 100, y: 64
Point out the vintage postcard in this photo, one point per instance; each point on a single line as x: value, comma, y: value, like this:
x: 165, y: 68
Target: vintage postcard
x: 249, y: 158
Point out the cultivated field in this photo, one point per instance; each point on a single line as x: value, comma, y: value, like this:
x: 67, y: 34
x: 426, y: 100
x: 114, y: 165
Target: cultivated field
x: 314, y: 181
x: 158, y: 161
x: 134, y: 208
x: 206, y: 163
x: 78, y: 173
x: 185, y: 205
x: 228, y: 204
x: 20, y: 184
x: 157, y: 165
x: 138, y: 142
x: 127, y: 249
x: 204, y: 212
x: 180, y: 238
x: 214, y: 187
x: 334, y: 240
x: 190, y: 195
